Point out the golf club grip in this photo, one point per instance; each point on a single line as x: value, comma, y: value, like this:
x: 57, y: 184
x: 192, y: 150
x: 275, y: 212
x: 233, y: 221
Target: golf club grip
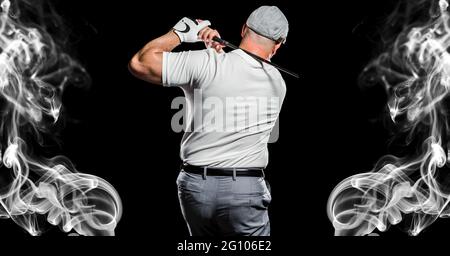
x: 232, y: 46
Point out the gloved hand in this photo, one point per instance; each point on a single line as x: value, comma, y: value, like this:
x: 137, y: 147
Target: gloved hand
x: 187, y: 29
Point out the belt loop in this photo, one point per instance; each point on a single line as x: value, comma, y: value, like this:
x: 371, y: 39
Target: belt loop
x: 234, y: 174
x: 204, y: 172
x: 263, y: 174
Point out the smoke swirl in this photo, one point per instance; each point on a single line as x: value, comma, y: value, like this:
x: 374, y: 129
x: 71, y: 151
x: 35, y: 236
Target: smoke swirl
x: 33, y: 74
x: 415, y: 71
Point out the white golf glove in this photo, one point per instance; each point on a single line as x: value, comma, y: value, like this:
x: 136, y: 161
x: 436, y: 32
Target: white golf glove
x: 187, y: 29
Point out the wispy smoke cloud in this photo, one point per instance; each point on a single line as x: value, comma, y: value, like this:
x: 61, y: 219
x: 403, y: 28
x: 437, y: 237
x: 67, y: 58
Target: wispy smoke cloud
x: 33, y: 73
x: 415, y: 70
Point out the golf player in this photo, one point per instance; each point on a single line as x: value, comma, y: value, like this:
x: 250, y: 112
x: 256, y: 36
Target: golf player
x: 233, y: 103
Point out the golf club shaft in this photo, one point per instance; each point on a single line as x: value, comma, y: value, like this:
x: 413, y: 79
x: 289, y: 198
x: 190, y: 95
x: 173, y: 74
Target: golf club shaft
x: 232, y: 46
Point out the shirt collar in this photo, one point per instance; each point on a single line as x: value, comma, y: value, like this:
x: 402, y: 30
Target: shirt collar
x: 248, y: 58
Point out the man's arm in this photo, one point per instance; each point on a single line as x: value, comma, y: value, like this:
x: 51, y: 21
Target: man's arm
x: 147, y: 63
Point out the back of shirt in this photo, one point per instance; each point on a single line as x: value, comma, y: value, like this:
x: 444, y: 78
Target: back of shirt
x: 233, y: 103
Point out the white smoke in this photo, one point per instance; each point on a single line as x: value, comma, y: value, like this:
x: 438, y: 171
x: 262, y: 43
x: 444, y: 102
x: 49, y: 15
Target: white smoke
x: 33, y: 73
x: 415, y: 70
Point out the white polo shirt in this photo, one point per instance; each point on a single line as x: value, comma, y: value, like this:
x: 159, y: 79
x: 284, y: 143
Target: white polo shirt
x: 233, y: 102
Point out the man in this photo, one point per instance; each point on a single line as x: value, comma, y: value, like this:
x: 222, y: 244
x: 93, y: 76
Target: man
x: 233, y: 103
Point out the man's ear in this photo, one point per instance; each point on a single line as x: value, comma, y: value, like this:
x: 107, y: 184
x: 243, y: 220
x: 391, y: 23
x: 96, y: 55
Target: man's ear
x: 244, y: 30
x: 275, y: 48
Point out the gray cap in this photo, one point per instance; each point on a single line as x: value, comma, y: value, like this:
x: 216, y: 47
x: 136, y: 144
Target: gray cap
x: 270, y: 22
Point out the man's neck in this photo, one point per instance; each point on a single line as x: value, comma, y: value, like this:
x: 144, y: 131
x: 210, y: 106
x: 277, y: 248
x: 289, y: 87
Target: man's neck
x: 255, y: 49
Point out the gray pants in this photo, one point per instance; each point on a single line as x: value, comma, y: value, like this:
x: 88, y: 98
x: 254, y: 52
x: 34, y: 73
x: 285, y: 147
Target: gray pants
x: 224, y: 206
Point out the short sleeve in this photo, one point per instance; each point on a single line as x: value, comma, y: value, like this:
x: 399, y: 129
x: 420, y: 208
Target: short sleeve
x: 185, y: 68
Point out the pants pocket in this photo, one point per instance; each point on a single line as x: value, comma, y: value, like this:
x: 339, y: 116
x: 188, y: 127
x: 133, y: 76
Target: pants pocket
x: 249, y: 213
x: 263, y: 201
x: 190, y: 182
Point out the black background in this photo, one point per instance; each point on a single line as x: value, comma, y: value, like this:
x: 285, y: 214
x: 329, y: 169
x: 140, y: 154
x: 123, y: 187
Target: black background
x: 119, y: 127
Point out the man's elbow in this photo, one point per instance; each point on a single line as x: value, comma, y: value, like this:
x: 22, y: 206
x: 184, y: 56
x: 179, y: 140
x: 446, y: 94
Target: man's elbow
x: 135, y: 67
x: 145, y: 70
